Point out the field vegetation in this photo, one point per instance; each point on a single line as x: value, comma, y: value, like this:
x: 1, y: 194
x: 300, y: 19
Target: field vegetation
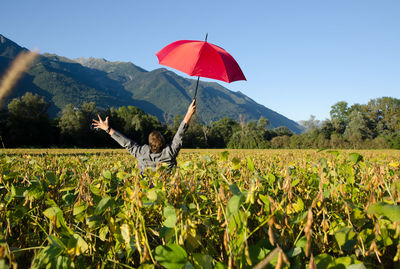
x: 219, y: 209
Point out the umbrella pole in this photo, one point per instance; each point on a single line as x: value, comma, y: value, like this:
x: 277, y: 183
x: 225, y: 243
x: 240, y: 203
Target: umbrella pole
x: 197, y: 85
x: 198, y: 78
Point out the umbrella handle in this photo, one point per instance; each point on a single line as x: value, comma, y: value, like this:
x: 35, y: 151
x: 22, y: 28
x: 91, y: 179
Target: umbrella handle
x: 197, y: 85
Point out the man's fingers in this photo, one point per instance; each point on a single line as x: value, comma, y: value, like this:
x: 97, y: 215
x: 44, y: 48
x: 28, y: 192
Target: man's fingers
x: 106, y: 121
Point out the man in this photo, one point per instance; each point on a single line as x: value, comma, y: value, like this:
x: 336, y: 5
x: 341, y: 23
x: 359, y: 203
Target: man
x: 156, y: 151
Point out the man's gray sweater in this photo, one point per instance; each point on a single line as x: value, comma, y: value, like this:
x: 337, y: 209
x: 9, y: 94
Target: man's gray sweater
x: 148, y: 159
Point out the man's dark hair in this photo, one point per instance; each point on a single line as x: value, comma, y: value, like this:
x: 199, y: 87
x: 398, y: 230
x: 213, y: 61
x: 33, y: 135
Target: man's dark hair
x: 156, y: 141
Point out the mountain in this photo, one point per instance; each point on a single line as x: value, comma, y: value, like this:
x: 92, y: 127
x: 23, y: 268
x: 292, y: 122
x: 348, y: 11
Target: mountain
x: 111, y: 84
x: 9, y: 49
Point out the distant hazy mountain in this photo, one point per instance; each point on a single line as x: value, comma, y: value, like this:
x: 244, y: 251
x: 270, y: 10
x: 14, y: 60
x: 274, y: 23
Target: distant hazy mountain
x: 111, y: 84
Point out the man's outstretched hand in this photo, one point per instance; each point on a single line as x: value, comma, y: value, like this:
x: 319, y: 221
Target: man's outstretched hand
x: 100, y: 124
x: 191, y: 110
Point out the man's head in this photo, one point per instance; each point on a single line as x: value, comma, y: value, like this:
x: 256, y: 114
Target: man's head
x: 156, y: 142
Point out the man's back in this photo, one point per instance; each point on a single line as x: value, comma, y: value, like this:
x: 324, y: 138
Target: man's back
x: 144, y: 155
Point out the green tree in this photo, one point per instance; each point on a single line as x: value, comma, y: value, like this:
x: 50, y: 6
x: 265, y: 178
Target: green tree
x: 337, y: 141
x: 340, y: 116
x: 3, y: 123
x: 279, y: 142
x: 75, y: 125
x: 296, y: 142
x: 340, y: 111
x: 194, y: 137
x: 357, y: 126
x: 327, y: 128
x: 282, y: 130
x: 221, y: 132
x: 380, y: 142
x: 251, y: 135
x: 395, y: 140
x: 28, y: 123
x: 385, y: 114
x: 321, y: 142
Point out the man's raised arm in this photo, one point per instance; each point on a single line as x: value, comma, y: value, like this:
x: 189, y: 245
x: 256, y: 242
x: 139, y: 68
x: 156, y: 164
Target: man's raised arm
x: 131, y: 146
x: 190, y: 112
x: 178, y: 138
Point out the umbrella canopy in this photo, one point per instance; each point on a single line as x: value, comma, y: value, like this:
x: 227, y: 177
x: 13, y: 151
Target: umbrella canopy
x: 201, y: 59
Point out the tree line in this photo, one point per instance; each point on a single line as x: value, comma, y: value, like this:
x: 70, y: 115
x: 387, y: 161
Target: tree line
x: 26, y: 123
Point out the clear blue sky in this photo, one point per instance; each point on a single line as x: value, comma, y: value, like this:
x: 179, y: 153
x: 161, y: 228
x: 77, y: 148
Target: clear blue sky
x: 299, y: 57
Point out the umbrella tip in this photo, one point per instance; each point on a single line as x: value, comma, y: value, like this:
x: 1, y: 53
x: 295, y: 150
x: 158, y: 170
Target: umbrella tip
x: 206, y: 36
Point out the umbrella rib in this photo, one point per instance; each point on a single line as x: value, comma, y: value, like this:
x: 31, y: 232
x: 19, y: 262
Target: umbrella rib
x: 225, y: 69
x: 198, y: 58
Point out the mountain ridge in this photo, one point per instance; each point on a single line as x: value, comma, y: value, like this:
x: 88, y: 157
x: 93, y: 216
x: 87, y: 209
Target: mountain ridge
x: 159, y: 92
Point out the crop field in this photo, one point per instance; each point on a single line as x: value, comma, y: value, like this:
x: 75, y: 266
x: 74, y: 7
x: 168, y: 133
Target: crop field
x: 78, y: 208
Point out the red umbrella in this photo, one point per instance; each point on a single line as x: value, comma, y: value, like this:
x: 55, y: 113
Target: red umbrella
x: 201, y: 59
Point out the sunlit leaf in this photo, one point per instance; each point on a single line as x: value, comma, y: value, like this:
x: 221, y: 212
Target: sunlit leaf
x: 152, y: 195
x: 220, y: 265
x: 250, y: 164
x: 95, y: 190
x: 356, y: 157
x: 346, y: 238
x: 223, y: 156
x: 78, y: 209
x: 293, y: 252
x: 107, y: 174
x: 121, y: 175
x: 146, y: 266
x: 103, y: 205
x: 103, y: 233
x: 234, y: 204
x: 346, y: 261
x: 78, y: 244
x: 202, y: 261
x: 392, y: 212
x: 171, y: 256
x: 169, y: 214
x: 323, y: 260
x: 125, y: 233
x: 236, y: 163
x: 52, y: 212
x: 356, y: 266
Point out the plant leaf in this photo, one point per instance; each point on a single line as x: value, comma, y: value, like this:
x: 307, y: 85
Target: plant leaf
x: 103, y: 205
x: 170, y: 216
x: 234, y: 204
x: 171, y: 256
x: 392, y: 212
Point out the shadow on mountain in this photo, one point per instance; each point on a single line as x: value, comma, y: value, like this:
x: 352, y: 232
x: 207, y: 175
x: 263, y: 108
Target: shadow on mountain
x: 148, y: 108
x: 212, y: 92
x: 172, y: 81
x: 93, y: 78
